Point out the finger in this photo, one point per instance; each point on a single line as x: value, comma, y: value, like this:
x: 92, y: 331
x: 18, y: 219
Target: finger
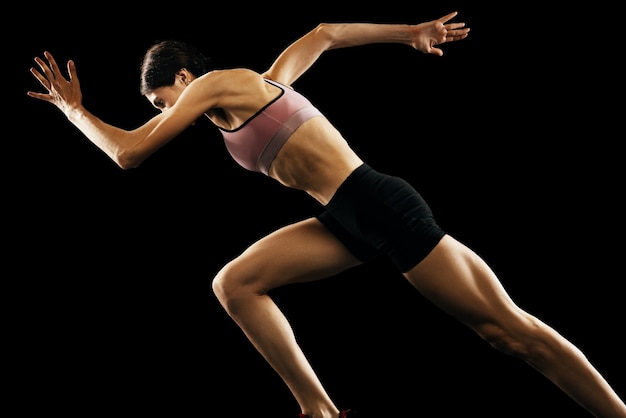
x: 44, y: 82
x: 41, y: 78
x: 44, y: 67
x: 453, y: 26
x: 47, y: 73
x: 457, y: 35
x: 40, y: 96
x: 447, y: 17
x: 53, y: 65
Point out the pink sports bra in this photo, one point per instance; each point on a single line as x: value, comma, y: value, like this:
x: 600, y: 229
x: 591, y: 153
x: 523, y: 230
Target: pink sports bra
x: 256, y: 142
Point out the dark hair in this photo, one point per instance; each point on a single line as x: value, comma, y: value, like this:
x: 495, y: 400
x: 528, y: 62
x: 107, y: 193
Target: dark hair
x: 164, y: 58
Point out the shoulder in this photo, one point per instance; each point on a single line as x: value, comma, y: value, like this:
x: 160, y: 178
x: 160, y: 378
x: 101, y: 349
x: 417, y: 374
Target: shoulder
x: 229, y: 77
x: 231, y: 83
x: 238, y: 89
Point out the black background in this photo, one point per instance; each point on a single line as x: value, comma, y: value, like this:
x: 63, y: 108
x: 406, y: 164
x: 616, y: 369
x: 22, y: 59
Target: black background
x: 508, y: 136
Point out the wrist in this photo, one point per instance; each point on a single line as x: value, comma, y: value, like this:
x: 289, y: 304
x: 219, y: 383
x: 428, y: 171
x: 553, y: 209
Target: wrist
x: 74, y: 113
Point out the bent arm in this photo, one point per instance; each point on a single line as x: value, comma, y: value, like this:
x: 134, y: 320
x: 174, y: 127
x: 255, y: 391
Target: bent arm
x: 302, y: 54
x: 127, y: 148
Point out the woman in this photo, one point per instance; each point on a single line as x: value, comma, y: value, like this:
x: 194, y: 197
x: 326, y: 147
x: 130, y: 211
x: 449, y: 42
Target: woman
x: 270, y: 128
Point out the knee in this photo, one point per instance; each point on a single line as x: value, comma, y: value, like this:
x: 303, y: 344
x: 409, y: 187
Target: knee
x: 224, y: 286
x: 232, y: 286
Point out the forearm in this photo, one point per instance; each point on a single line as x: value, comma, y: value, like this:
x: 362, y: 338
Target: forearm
x: 113, y: 141
x: 424, y: 37
x: 343, y: 35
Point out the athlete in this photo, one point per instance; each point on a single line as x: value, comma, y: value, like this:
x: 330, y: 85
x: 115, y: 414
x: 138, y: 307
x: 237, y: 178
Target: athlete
x: 269, y: 127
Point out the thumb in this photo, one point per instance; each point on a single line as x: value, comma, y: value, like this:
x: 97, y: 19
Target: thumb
x: 71, y: 70
x: 436, y: 51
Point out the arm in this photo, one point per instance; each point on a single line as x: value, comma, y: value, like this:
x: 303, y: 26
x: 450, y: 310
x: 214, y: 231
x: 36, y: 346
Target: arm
x: 127, y: 148
x: 302, y: 54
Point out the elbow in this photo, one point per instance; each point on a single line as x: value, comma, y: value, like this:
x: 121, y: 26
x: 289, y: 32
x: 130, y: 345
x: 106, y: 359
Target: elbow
x: 331, y: 34
x: 127, y: 160
x: 327, y: 34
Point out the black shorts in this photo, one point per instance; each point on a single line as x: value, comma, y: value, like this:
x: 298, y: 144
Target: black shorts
x: 375, y: 214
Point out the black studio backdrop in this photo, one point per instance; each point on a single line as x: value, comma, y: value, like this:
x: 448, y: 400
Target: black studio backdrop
x: 114, y: 307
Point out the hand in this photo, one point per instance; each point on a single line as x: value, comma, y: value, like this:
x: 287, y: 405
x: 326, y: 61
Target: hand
x: 429, y: 34
x: 63, y: 93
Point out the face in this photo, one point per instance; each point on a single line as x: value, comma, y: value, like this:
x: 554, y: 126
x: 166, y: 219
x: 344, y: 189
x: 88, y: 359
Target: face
x: 164, y: 98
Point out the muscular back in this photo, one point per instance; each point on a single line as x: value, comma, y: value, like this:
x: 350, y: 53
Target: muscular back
x: 315, y: 157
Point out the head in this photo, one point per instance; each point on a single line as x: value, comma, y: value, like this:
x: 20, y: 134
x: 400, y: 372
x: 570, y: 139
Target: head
x: 168, y: 63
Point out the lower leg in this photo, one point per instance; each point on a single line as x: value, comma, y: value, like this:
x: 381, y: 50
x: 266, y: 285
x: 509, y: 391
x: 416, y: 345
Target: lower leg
x: 301, y: 252
x: 567, y: 367
x: 269, y: 331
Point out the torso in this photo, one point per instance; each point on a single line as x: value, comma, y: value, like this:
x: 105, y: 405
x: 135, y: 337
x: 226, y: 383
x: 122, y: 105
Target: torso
x: 315, y: 158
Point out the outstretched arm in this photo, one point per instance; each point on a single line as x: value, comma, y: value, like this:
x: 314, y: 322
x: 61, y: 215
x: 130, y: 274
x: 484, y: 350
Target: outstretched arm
x: 302, y: 54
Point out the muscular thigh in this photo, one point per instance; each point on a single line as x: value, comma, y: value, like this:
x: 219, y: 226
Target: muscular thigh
x: 457, y: 280
x: 300, y: 252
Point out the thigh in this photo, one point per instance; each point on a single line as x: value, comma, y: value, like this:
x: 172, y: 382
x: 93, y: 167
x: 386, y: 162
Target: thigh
x: 457, y: 280
x: 299, y: 252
